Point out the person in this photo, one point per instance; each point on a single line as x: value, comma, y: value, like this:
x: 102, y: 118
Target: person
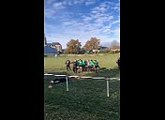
x: 80, y: 65
x: 88, y: 65
x: 96, y: 64
x: 84, y: 65
x: 92, y: 65
x: 75, y: 65
x: 67, y: 63
x: 118, y: 62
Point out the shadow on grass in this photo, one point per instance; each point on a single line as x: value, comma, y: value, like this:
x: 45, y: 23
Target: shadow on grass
x: 103, y: 72
x: 61, y: 73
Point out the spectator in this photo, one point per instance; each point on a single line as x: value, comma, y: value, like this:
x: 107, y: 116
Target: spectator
x: 118, y: 62
x: 67, y: 63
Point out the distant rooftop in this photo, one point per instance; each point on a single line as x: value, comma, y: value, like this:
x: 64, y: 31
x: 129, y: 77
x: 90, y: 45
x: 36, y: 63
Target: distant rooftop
x: 48, y: 49
x: 54, y: 43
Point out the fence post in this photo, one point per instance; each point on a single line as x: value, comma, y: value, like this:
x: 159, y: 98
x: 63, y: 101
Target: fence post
x: 107, y: 87
x: 67, y: 86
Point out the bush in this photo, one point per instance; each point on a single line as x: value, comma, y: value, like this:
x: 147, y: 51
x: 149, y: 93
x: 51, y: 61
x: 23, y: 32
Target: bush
x: 105, y: 51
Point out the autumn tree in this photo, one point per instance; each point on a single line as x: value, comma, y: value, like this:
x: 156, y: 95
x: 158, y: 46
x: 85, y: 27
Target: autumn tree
x: 73, y: 47
x: 92, y: 44
x: 114, y: 45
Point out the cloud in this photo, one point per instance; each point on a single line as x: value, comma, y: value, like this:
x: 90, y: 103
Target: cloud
x: 99, y: 22
x: 58, y: 5
x: 49, y: 1
x: 49, y: 13
x: 70, y: 2
x: 89, y: 2
x: 93, y: 22
x: 99, y: 16
x: 78, y: 2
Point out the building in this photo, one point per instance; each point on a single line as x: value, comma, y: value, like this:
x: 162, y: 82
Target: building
x: 48, y: 51
x: 54, y: 48
x: 56, y: 45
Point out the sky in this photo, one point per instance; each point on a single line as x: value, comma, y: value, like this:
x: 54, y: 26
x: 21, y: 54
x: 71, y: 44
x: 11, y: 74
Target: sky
x: 82, y: 19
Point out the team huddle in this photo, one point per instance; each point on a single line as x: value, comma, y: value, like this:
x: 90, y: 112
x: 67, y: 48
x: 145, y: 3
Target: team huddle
x: 85, y: 65
x: 82, y: 65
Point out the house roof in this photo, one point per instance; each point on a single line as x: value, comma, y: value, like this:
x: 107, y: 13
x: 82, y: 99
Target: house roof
x: 48, y: 49
x: 54, y: 43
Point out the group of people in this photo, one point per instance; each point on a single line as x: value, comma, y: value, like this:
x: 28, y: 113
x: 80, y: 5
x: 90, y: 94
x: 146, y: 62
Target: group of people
x: 85, y: 65
x: 82, y: 65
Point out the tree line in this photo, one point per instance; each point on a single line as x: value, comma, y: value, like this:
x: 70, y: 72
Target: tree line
x: 74, y: 46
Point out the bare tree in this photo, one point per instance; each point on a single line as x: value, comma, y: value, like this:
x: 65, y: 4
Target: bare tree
x: 115, y: 45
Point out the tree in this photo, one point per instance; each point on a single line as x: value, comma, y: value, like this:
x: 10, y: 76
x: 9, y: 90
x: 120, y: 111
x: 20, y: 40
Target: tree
x: 92, y: 44
x: 73, y: 47
x: 115, y: 45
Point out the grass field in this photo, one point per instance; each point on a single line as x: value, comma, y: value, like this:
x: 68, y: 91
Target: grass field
x: 86, y: 99
x: 106, y: 61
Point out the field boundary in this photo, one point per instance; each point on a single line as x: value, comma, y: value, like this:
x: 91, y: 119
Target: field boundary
x: 85, y: 77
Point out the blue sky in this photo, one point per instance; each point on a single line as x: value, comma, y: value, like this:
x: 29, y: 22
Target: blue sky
x: 82, y: 19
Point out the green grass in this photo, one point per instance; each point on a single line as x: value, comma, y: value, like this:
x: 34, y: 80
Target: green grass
x: 86, y: 100
x: 106, y: 61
